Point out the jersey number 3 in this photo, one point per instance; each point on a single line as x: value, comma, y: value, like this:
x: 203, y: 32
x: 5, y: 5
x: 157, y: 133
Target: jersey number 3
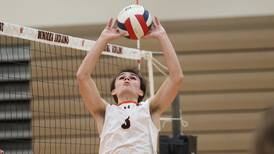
x: 126, y: 124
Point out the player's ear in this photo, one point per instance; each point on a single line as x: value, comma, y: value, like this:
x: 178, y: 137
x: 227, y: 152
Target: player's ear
x: 114, y: 92
x: 140, y: 92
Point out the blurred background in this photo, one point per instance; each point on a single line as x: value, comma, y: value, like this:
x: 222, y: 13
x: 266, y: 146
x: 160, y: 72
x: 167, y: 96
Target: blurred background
x: 226, y: 49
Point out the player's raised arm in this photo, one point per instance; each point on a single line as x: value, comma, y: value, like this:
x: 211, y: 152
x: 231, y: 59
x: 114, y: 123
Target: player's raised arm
x: 170, y: 87
x: 87, y: 87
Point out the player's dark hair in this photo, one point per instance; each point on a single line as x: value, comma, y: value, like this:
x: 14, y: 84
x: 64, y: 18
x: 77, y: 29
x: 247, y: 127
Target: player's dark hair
x: 142, y: 83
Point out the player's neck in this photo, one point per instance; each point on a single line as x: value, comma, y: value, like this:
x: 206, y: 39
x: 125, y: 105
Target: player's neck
x: 127, y: 100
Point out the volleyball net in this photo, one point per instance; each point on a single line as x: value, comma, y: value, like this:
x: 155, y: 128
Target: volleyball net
x: 41, y: 110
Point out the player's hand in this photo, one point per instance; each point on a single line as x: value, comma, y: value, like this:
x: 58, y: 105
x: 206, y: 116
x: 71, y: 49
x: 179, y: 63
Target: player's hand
x: 111, y: 31
x: 156, y: 31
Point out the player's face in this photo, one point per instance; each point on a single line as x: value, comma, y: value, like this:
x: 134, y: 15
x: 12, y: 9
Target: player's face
x: 129, y: 83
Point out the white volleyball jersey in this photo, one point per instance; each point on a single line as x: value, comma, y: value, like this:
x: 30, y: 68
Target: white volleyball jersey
x: 128, y: 129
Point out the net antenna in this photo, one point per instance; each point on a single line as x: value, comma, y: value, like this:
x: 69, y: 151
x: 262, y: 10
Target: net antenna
x: 138, y: 43
x: 149, y: 57
x: 139, y: 48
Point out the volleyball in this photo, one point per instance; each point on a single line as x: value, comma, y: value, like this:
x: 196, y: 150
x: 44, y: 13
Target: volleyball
x: 135, y: 21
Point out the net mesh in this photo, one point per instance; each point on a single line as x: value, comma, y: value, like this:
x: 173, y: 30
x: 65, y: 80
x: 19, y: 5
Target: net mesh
x: 40, y: 107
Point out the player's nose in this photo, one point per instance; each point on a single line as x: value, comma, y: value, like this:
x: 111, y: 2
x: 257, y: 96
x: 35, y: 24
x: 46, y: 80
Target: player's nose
x: 126, y: 78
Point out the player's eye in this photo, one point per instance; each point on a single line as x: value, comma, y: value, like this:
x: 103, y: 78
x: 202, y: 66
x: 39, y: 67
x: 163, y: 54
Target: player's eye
x: 121, y: 78
x: 133, y: 78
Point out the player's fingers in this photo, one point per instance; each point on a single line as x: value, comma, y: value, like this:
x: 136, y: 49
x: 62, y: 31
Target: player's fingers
x: 153, y: 26
x: 109, y: 24
x: 122, y: 32
x: 114, y: 23
x: 147, y: 36
x: 157, y: 21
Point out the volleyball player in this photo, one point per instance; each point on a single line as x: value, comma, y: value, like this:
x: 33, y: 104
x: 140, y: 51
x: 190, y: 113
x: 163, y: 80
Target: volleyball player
x: 1, y: 151
x: 132, y: 125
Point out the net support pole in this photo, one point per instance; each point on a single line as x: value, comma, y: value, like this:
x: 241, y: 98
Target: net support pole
x: 139, y: 48
x: 150, y: 74
x: 176, y: 124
